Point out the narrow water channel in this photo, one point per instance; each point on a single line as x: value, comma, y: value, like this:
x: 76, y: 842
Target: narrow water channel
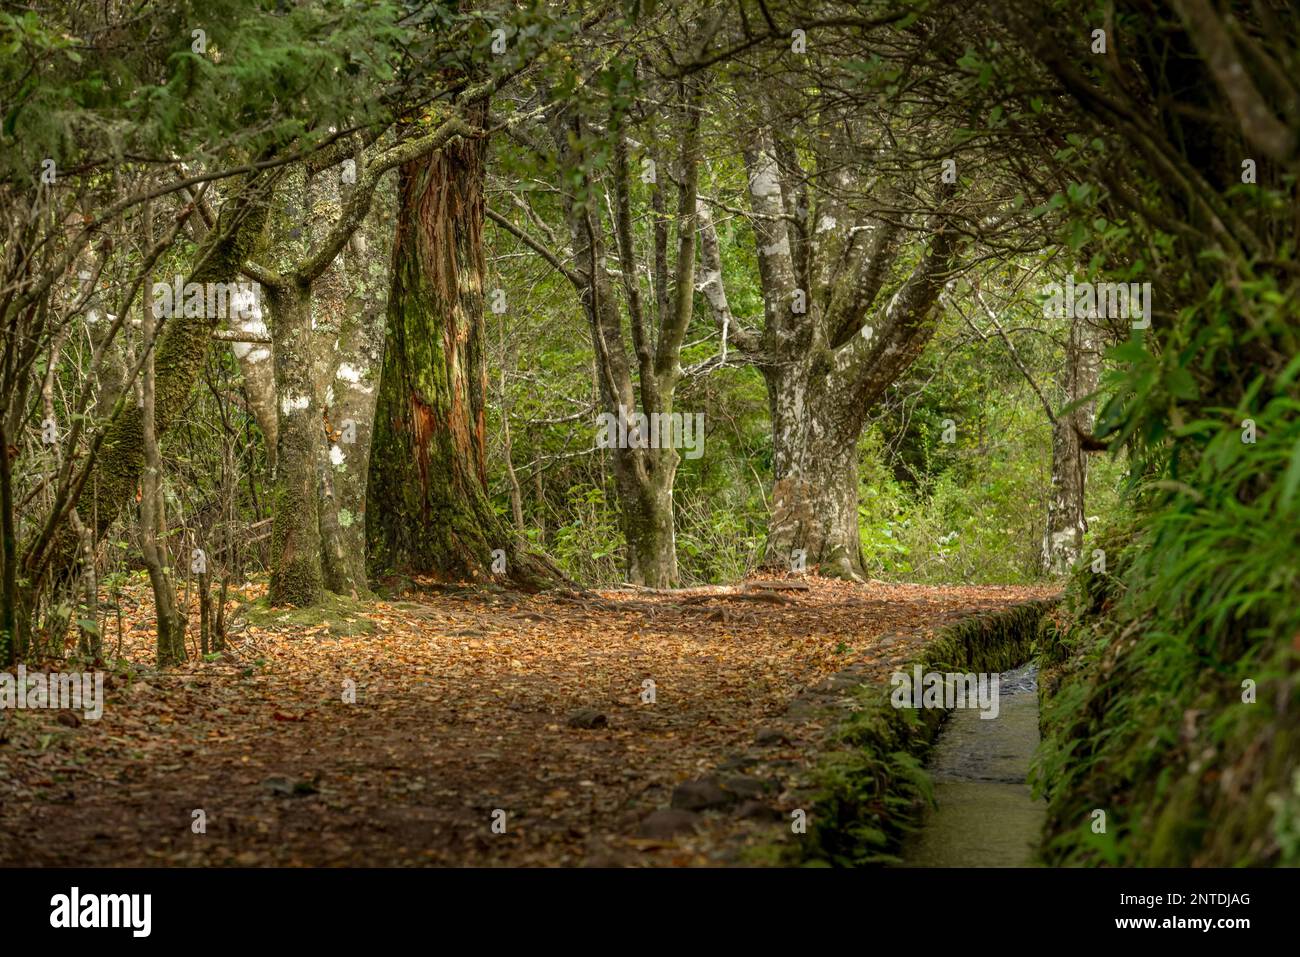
x: 985, y: 815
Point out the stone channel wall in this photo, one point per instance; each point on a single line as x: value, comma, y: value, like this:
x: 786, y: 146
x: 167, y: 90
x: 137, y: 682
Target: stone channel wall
x: 869, y: 787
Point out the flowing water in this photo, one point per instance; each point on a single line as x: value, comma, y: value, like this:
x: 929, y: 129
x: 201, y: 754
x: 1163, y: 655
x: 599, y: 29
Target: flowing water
x: 985, y: 815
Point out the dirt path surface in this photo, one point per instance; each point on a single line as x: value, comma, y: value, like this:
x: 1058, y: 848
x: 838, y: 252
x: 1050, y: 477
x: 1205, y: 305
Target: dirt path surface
x: 466, y: 704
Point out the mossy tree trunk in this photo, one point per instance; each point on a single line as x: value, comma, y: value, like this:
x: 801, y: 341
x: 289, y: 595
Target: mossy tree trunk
x: 815, y: 488
x: 8, y: 556
x: 315, y: 220
x: 169, y: 614
x: 171, y: 620
x: 343, y: 464
x: 296, y: 575
x: 428, y: 510
x: 181, y: 351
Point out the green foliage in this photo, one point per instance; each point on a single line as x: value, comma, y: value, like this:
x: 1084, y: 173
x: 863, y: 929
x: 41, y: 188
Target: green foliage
x: 874, y: 790
x: 1148, y: 722
x: 584, y: 546
x: 972, y: 510
x: 151, y: 86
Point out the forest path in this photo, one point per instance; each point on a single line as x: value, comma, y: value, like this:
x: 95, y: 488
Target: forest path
x: 466, y: 703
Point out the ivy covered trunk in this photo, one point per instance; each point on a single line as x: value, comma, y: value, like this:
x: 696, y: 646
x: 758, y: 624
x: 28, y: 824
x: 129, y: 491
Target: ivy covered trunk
x: 428, y: 510
x: 296, y: 577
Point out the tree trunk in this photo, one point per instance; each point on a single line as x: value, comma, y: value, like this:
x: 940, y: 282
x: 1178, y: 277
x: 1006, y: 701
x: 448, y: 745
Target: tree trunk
x: 814, y: 522
x: 647, y: 512
x: 643, y: 476
x: 296, y: 576
x: 258, y: 371
x: 180, y: 354
x: 9, y: 644
x: 350, y: 300
x: 325, y: 296
x: 170, y: 618
x: 1066, y: 518
x: 348, y: 397
x: 429, y: 512
x: 511, y: 361
x: 828, y: 350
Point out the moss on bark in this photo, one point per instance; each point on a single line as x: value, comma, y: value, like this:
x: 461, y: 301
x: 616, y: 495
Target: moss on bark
x: 428, y: 511
x: 296, y: 577
x: 181, y: 352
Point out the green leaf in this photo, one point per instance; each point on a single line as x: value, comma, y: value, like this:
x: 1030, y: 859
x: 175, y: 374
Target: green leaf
x: 1291, y: 480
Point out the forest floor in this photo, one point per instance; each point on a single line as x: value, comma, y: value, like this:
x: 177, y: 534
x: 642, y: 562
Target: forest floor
x: 466, y: 703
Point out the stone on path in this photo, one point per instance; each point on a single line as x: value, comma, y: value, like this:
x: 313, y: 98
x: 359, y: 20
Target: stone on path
x: 704, y: 794
x: 758, y: 811
x: 669, y: 823
x: 588, y: 718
